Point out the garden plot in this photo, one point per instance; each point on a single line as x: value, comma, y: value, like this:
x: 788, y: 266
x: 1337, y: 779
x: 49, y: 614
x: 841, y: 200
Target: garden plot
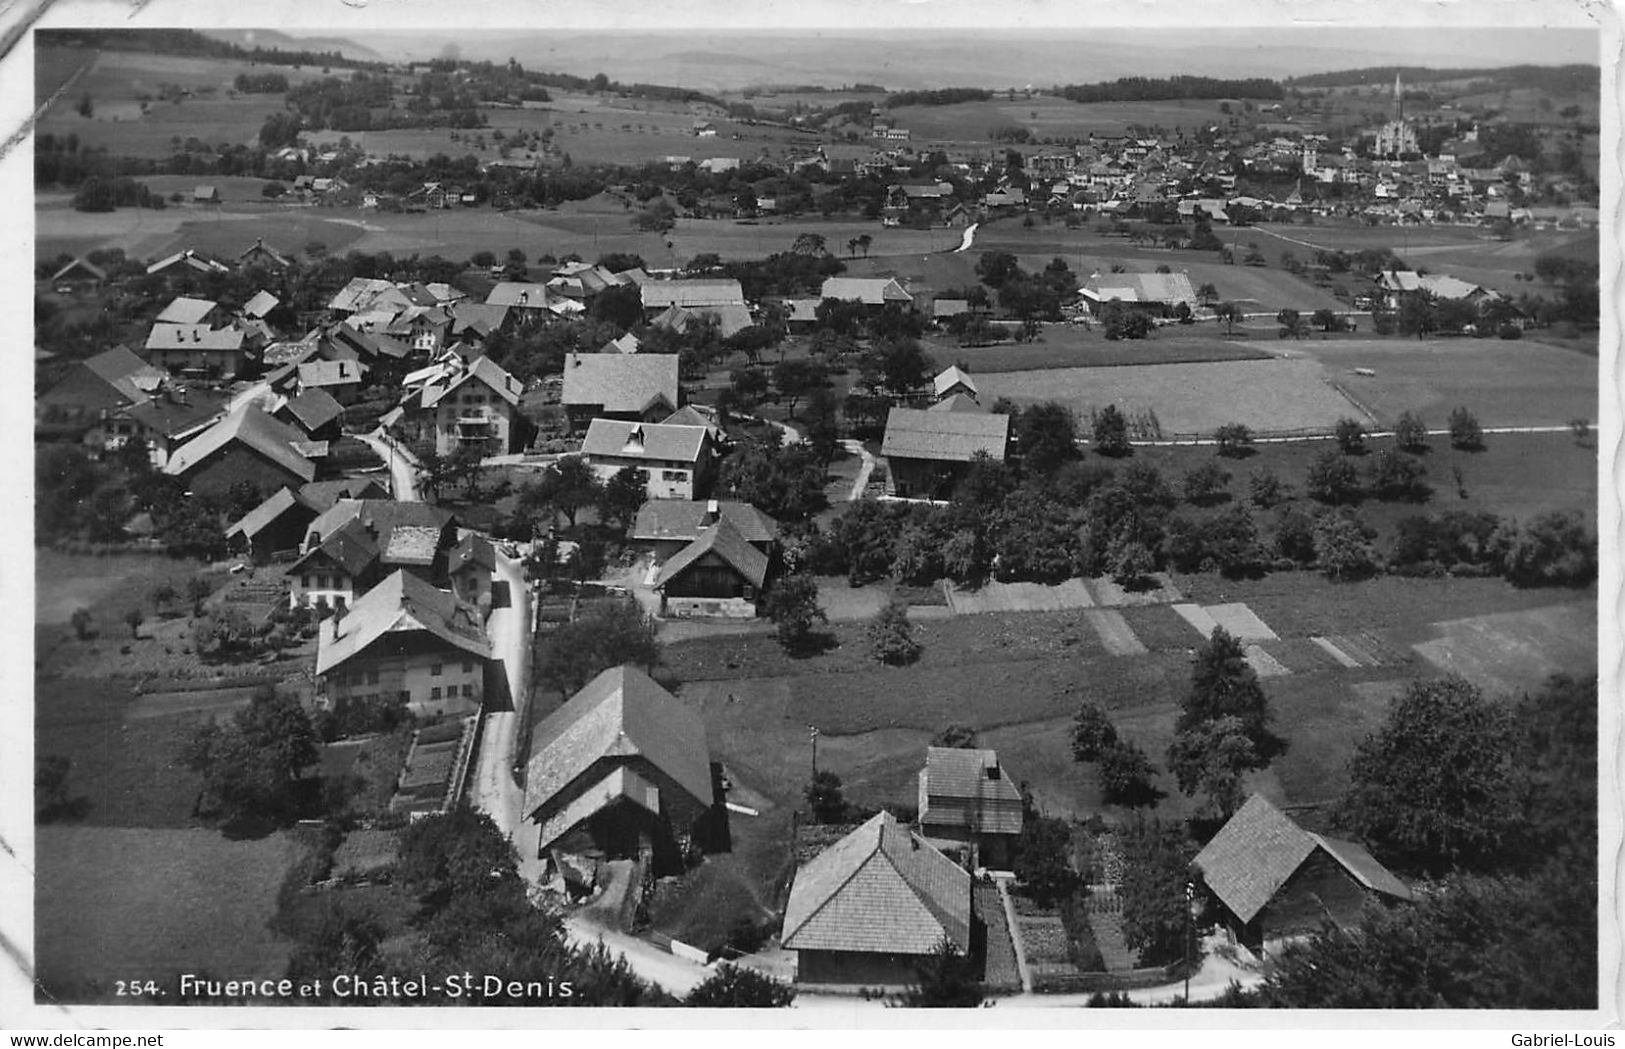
x: 1364, y: 649
x: 1301, y: 655
x: 1115, y: 633
x: 1198, y: 617
x: 1019, y: 597
x: 1108, y: 593
x: 1264, y: 664
x: 1240, y: 622
x: 1516, y: 651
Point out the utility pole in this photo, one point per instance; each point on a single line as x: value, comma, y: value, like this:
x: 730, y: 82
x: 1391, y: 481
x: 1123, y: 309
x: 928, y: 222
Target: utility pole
x: 812, y: 734
x: 1190, y: 901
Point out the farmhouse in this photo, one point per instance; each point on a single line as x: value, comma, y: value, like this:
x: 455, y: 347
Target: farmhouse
x: 404, y: 640
x: 247, y: 446
x: 632, y: 386
x: 1394, y: 284
x: 315, y: 412
x: 1272, y: 879
x: 929, y: 451
x: 196, y: 349
x: 340, y: 380
x: 1158, y: 293
x: 526, y: 301
x: 718, y: 574
x: 665, y: 526
x: 678, y: 461
x: 953, y: 380
x: 258, y: 254
x: 965, y: 797
x: 105, y: 382
x: 354, y: 542
x: 659, y: 295
x: 187, y: 259
x: 874, y: 292
x: 77, y: 276
x: 868, y: 909
x: 469, y: 567
x: 184, y: 310
x: 276, y: 527
x: 164, y: 421
x: 731, y: 318
x: 622, y: 770
x: 465, y: 406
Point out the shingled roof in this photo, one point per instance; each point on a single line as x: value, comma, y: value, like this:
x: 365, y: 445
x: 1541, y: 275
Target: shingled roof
x: 184, y: 310
x: 952, y: 376
x: 401, y: 604
x: 913, y: 433
x: 685, y: 519
x: 1164, y: 288
x: 725, y: 541
x: 871, y: 291
x: 966, y: 788
x: 879, y: 889
x: 656, y: 442
x: 1260, y: 847
x: 313, y: 409
x: 250, y: 426
x: 620, y: 382
x: 659, y: 294
x: 620, y: 713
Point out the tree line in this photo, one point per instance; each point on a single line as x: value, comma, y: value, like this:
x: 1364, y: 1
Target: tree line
x: 1149, y: 89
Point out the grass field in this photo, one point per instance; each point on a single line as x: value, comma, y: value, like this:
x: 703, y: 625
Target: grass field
x: 1070, y: 346
x: 1513, y: 652
x: 141, y: 903
x: 1504, y: 383
x: 1270, y: 396
x: 226, y: 230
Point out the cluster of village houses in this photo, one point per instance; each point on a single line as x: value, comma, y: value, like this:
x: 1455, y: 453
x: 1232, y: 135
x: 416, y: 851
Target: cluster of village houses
x: 623, y: 768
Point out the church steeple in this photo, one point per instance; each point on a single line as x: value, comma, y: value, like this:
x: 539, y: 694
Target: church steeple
x: 1399, y: 99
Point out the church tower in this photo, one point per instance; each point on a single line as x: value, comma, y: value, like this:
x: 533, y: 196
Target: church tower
x: 1399, y: 100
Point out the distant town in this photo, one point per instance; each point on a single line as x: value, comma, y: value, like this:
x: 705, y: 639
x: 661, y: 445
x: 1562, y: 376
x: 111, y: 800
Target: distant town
x: 1122, y: 544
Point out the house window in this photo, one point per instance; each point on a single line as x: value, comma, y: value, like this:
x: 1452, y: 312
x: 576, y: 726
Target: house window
x: 468, y: 691
x: 674, y: 475
x: 434, y: 693
x: 468, y: 666
x: 304, y: 582
x: 406, y: 697
x: 436, y: 669
x: 321, y: 582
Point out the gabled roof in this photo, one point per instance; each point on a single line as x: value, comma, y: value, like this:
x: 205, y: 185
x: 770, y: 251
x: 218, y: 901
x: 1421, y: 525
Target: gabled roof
x: 691, y: 415
x: 620, y: 382
x: 732, y: 318
x: 1260, y: 847
x: 350, y: 546
x: 482, y: 317
x: 621, y: 713
x: 262, y: 303
x: 194, y: 337
x: 619, y: 784
x: 913, y: 433
x: 257, y: 519
x: 871, y: 291
x: 486, y: 371
x: 83, y: 265
x: 472, y: 549
x: 380, y: 516
x: 363, y: 292
x: 726, y: 542
x: 653, y: 441
x: 685, y: 519
x: 322, y: 495
x: 521, y: 294
x: 329, y: 373
x: 950, y: 377
x: 411, y: 545
x: 189, y: 258
x: 247, y: 425
x: 402, y: 604
x: 1167, y: 288
x: 313, y: 409
x: 184, y: 310
x: 259, y: 249
x: 958, y: 402
x: 627, y: 343
x: 977, y: 794
x: 177, y: 414
x: 880, y: 889
x: 129, y: 376
x: 659, y: 294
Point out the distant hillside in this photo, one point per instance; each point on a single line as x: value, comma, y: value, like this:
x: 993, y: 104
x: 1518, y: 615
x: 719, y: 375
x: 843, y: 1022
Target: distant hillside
x: 1562, y: 80
x: 194, y: 44
x: 248, y: 39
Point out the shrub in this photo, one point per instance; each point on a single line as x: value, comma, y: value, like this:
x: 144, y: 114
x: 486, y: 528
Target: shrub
x: 1332, y: 478
x: 1234, y: 439
x: 1092, y: 733
x: 1350, y: 436
x: 1465, y: 433
x: 891, y: 639
x: 1410, y: 433
x: 1265, y: 488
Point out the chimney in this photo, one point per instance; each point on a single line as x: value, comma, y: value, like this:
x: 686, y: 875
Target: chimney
x: 713, y: 510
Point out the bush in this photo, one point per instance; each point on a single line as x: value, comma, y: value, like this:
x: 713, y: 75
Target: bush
x: 1350, y: 436
x: 1234, y: 439
x: 1411, y: 433
x: 1092, y: 733
x: 1332, y: 478
x: 1265, y: 488
x: 891, y: 639
x: 1465, y: 433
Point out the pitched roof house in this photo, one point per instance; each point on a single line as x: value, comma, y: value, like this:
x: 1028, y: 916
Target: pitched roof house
x: 315, y: 412
x: 185, y: 310
x: 216, y: 352
x: 277, y: 525
x: 665, y: 526
x: 965, y: 796
x: 1158, y: 291
x: 461, y: 404
x: 354, y: 542
x: 619, y: 385
x: 621, y: 767
x: 928, y: 451
x: 1274, y: 879
x: 247, y: 445
x: 661, y: 294
x: 952, y: 380
x: 107, y: 381
x: 870, y: 291
x: 718, y: 574
x: 868, y: 909
x: 731, y: 318
x: 678, y: 461
x: 404, y: 639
